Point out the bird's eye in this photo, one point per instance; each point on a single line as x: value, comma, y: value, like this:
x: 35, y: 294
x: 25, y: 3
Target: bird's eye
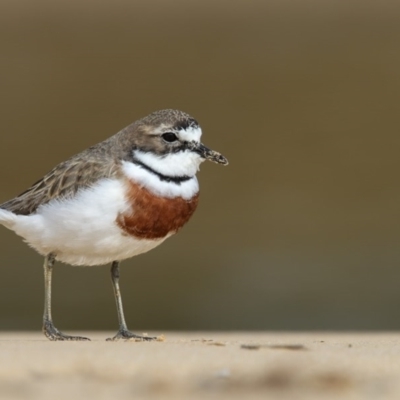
x: 169, y: 137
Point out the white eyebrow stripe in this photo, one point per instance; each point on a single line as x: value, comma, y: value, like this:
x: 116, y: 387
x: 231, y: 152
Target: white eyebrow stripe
x: 190, y: 133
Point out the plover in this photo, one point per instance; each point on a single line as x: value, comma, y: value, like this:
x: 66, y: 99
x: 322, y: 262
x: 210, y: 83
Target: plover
x: 115, y: 200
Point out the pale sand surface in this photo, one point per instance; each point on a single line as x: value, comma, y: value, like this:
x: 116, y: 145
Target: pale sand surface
x: 202, y: 365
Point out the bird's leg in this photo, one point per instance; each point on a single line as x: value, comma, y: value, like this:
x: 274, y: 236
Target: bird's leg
x: 50, y: 331
x: 123, y: 332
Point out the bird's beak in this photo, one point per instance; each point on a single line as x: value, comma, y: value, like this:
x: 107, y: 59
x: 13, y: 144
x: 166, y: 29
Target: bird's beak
x: 207, y: 153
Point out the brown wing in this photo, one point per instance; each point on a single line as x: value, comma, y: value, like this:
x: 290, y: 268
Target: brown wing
x: 61, y: 182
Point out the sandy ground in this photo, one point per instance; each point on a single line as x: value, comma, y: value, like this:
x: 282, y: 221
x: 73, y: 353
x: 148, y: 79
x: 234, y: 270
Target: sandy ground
x: 202, y: 365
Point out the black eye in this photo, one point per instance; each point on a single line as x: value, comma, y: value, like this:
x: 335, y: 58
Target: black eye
x: 169, y: 137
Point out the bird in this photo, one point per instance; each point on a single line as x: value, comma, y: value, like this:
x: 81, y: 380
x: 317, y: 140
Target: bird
x: 117, y: 199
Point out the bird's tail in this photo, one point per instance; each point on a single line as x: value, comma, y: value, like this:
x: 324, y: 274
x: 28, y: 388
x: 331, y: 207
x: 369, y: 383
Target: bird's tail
x: 7, y: 218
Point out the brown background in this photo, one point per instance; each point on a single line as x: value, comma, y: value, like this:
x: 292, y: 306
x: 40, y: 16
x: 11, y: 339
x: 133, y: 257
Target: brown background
x: 301, y: 231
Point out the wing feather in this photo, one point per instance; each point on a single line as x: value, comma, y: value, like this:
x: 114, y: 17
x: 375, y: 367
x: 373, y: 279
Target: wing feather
x: 63, y: 181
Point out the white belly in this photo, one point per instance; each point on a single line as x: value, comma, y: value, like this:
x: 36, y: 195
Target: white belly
x: 82, y: 230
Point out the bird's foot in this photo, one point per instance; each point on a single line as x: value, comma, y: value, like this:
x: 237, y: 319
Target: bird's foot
x: 124, y: 334
x: 52, y: 333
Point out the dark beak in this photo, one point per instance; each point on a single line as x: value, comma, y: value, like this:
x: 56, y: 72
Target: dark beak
x: 207, y: 153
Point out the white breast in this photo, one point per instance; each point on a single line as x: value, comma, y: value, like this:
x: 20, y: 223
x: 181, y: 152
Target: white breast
x: 82, y: 230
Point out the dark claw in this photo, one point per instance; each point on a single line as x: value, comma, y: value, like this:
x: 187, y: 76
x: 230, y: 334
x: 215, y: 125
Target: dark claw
x: 52, y: 333
x: 124, y: 334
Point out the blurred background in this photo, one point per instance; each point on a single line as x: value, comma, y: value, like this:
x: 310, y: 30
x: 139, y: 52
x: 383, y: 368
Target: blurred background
x: 300, y: 231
